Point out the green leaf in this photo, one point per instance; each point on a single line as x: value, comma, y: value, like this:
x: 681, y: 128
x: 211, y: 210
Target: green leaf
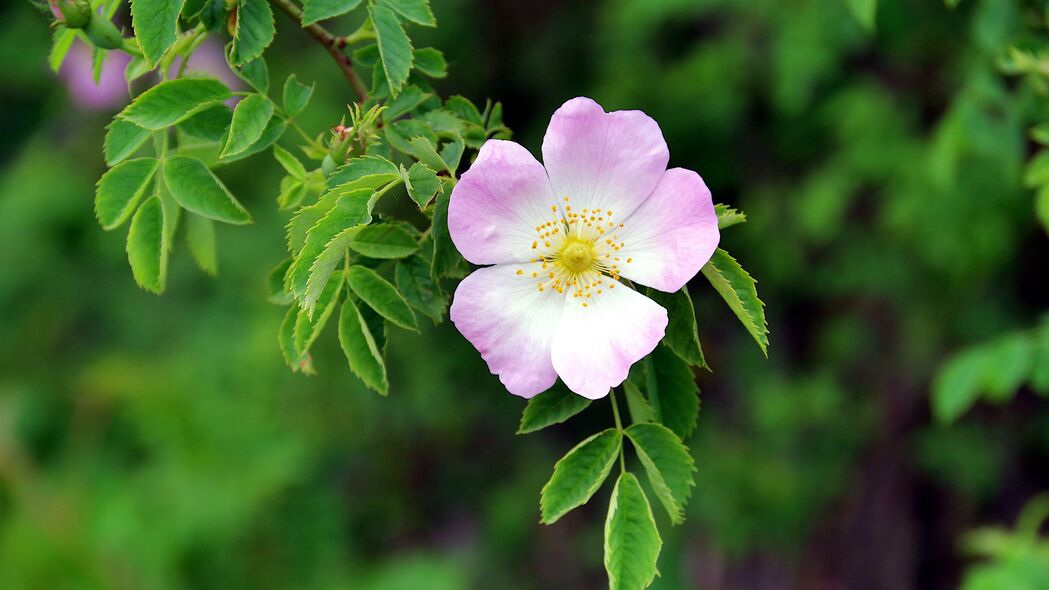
x: 62, y: 41
x: 417, y: 11
x: 156, y: 24
x: 364, y: 172
x: 579, y: 474
x: 210, y: 123
x: 199, y: 191
x: 669, y: 465
x: 384, y: 240
x: 200, y: 235
x: 406, y: 101
x: 299, y: 362
x: 381, y: 296
x: 120, y: 189
x: 256, y: 73
x: 452, y: 153
x: 123, y: 138
x: 1036, y: 174
x: 672, y: 391
x: 632, y: 542
x: 423, y: 184
x: 145, y: 246
x: 464, y: 109
x: 360, y: 348
x: 274, y: 130
x: 290, y: 163
x: 296, y: 96
x: 275, y: 284
x: 214, y: 15
x: 447, y: 262
x: 413, y: 280
x: 864, y: 11
x: 315, y: 10
x: 640, y: 410
x: 136, y: 68
x: 727, y: 216
x: 310, y: 323
x: 422, y: 149
x: 173, y: 101
x: 292, y: 192
x: 395, y: 49
x: 254, y: 31
x: 249, y: 122
x: 738, y: 290
x: 958, y: 386
x: 430, y: 61
x: 550, y: 407
x: 1040, y: 133
x: 682, y: 336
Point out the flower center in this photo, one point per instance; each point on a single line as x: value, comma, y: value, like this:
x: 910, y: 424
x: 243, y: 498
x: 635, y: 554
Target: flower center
x: 576, y: 255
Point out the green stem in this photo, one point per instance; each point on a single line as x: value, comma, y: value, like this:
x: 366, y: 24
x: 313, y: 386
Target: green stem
x: 619, y: 427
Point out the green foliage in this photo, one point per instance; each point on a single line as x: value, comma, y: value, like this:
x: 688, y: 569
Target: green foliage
x: 1016, y: 559
x: 120, y: 189
x: 381, y: 296
x: 200, y: 236
x: 123, y: 138
x: 579, y: 474
x: 549, y: 408
x: 249, y: 123
x: 414, y: 281
x: 156, y: 24
x: 417, y: 11
x: 672, y: 391
x: 317, y: 10
x: 632, y: 542
x: 682, y: 334
x: 296, y: 96
x: 145, y: 246
x: 198, y: 190
x: 385, y: 241
x: 173, y: 101
x: 737, y: 288
x: 864, y: 11
x: 253, y: 32
x: 668, y: 463
x: 363, y: 354
x: 395, y: 48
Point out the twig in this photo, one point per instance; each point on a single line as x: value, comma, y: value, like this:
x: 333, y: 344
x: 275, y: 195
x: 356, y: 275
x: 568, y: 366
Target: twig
x: 332, y: 43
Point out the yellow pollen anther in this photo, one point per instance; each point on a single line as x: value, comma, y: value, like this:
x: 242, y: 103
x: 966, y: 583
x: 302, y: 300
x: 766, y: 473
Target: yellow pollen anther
x: 576, y: 256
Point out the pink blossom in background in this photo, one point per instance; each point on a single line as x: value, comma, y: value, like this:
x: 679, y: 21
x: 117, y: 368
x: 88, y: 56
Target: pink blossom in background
x: 560, y: 238
x: 110, y: 93
x: 209, y: 59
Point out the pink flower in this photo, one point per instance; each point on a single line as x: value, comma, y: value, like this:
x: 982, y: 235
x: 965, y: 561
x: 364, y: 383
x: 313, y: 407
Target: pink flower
x: 560, y: 240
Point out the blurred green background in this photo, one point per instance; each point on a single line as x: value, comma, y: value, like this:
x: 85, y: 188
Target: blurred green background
x: 160, y: 442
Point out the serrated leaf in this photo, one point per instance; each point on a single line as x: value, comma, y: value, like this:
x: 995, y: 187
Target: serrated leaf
x: 292, y: 192
x: 395, y: 49
x: 579, y: 474
x: 423, y: 150
x: 632, y: 542
x: 274, y: 130
x: 384, y: 241
x: 549, y: 408
x: 214, y: 15
x: 364, y: 172
x: 447, y: 262
x: 640, y: 410
x: 672, y: 391
x: 423, y: 184
x: 452, y: 153
x: 254, y: 31
x: 682, y: 335
x: 430, y: 62
x: 409, y: 98
x: 136, y: 68
x: 310, y: 323
x: 299, y: 362
x: 275, y: 284
x: 61, y: 41
x: 727, y: 216
x: 200, y: 236
x: 417, y: 11
x: 145, y: 246
x: 123, y: 138
x: 738, y: 290
x: 317, y: 10
x: 199, y: 191
x: 296, y: 96
x: 120, y: 189
x: 256, y: 73
x: 250, y: 119
x: 210, y: 123
x: 361, y: 350
x: 290, y: 163
x: 173, y: 101
x: 669, y: 466
x: 463, y: 108
x: 381, y: 296
x: 413, y: 280
x: 156, y: 25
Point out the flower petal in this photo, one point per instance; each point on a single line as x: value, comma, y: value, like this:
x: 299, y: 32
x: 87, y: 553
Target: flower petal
x: 594, y: 346
x: 603, y: 161
x: 498, y: 202
x: 511, y: 323
x: 672, y: 235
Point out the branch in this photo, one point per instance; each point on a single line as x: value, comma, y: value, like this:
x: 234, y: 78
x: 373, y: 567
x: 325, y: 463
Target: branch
x: 333, y: 44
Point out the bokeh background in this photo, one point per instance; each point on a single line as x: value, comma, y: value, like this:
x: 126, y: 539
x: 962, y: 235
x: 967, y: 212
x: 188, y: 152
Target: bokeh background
x: 160, y: 442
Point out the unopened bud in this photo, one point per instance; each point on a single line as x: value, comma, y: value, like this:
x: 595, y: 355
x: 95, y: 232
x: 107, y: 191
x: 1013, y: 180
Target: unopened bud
x: 76, y: 14
x: 103, y: 33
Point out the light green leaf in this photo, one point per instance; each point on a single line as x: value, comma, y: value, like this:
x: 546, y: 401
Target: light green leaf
x: 316, y: 10
x: 254, y: 31
x: 672, y: 391
x: 199, y: 191
x: 325, y: 244
x: 632, y: 542
x: 579, y: 474
x: 292, y: 192
x: 958, y: 386
x: 310, y: 323
x: 173, y: 101
x: 256, y: 73
x: 640, y: 410
x: 120, y: 189
x: 452, y: 153
x: 274, y: 130
x: 290, y: 163
x: 384, y: 240
x: 145, y: 246
x: 681, y: 336
x: 381, y: 296
x: 200, y: 235
x: 249, y: 122
x: 422, y: 149
x: 364, y: 172
x: 728, y: 216
x: 430, y: 61
x: 669, y: 465
x: 156, y: 24
x: 417, y: 11
x: 296, y: 95
x: 550, y: 407
x: 62, y: 41
x: 409, y: 98
x: 395, y: 49
x: 123, y: 138
x: 275, y: 284
x: 413, y: 280
x: 423, y: 184
x: 864, y: 11
x: 360, y: 348
x: 738, y: 290
x: 299, y: 362
x: 210, y: 123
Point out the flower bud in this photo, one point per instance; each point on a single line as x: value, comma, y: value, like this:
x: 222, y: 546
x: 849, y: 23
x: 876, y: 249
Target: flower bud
x: 103, y: 33
x: 328, y: 165
x: 76, y: 14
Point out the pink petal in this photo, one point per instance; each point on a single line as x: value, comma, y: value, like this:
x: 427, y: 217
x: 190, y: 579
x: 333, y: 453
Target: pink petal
x: 603, y: 161
x: 511, y: 323
x: 594, y: 346
x: 672, y: 235
x: 497, y: 204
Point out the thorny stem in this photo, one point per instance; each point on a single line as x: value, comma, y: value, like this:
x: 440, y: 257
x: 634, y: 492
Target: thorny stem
x: 330, y: 42
x: 619, y: 427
